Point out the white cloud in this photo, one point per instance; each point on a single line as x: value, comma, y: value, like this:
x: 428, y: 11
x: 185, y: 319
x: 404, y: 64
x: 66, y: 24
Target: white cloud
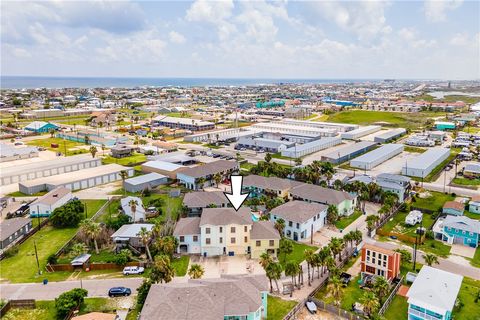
x: 436, y: 10
x: 213, y: 12
x: 21, y: 53
x: 176, y: 37
x: 460, y: 39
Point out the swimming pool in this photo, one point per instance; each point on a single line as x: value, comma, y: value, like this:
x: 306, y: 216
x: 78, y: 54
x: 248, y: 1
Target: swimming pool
x: 254, y: 217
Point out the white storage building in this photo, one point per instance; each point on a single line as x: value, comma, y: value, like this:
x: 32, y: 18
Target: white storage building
x: 10, y: 153
x: 360, y: 132
x: 348, y: 152
x: 311, y: 147
x: 41, y: 169
x: 390, y: 135
x: 423, y: 164
x: 374, y: 158
x: 45, y: 205
x: 292, y: 129
x: 82, y: 179
x: 147, y: 181
x: 340, y: 127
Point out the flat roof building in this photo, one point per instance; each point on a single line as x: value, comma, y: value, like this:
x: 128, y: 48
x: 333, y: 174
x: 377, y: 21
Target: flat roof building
x: 162, y: 167
x: 42, y: 169
x: 183, y: 123
x: 360, y: 132
x: 220, y: 135
x: 10, y: 153
x: 348, y: 152
x: 82, y: 179
x: 390, y: 135
x: 422, y: 165
x: 286, y: 128
x: 340, y: 127
x: 301, y: 150
x: 373, y: 158
x: 144, y: 182
x: 268, y: 145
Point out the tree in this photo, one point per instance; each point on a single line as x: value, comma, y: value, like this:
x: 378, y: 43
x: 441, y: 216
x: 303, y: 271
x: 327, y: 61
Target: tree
x: 217, y: 177
x: 370, y: 302
x: 143, y: 291
x: 430, y: 259
x: 77, y: 249
x: 124, y: 176
x: 196, y: 271
x: 69, y: 300
x: 337, y: 184
x: 357, y: 236
x: 285, y: 247
x: 274, y: 272
x: 321, y: 259
x: 167, y: 245
x: 145, y: 237
x: 310, y: 259
x: 133, y: 206
x: 52, y: 132
x: 91, y: 230
x: 87, y: 140
x: 335, y: 288
x: 332, y: 214
x: 162, y: 270
x: 298, y: 161
x: 265, y: 260
x: 268, y: 157
x: 291, y: 270
x: 280, y: 226
x: 201, y: 181
x: 68, y: 215
x: 381, y: 287
x: 93, y: 151
x: 336, y: 246
x: 371, y: 222
x: 405, y: 255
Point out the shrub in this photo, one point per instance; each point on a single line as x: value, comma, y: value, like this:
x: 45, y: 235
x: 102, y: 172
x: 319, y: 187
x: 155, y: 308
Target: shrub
x: 69, y: 300
x: 52, y: 259
x: 68, y: 215
x: 429, y: 234
x: 117, y: 222
x: 11, y: 252
x: 143, y: 291
x: 123, y: 257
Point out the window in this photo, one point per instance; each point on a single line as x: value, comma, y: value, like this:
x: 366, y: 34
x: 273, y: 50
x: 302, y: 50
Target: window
x: 182, y: 238
x: 298, y: 225
x: 315, y: 218
x: 258, y: 243
x: 385, y: 264
x: 290, y: 223
x: 374, y: 254
x: 220, y: 240
x: 221, y: 229
x: 195, y: 238
x: 207, y: 230
x: 232, y: 240
x: 271, y: 243
x: 245, y: 228
x: 232, y: 229
x: 245, y: 239
x: 373, y: 260
x: 207, y: 240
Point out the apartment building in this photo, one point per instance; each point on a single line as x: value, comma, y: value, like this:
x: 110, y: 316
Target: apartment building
x: 380, y: 262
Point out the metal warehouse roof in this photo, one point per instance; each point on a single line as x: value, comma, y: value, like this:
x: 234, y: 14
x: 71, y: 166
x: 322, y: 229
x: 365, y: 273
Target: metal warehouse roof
x: 424, y: 160
x: 319, y: 142
x: 340, y: 153
x: 145, y: 178
x: 391, y: 133
x: 379, y: 153
x: 362, y: 130
x: 163, y: 165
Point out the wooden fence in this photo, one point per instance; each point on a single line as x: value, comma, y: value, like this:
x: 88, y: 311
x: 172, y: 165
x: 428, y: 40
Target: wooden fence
x: 17, y: 304
x: 400, y: 236
x: 330, y: 308
x: 93, y: 266
x: 26, y: 237
x: 390, y: 298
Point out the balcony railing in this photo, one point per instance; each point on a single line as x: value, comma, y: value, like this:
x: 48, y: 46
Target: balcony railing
x: 422, y: 314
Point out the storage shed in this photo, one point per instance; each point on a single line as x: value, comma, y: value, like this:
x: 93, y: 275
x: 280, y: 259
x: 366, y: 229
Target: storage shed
x: 422, y: 165
x: 348, y: 152
x: 147, y: 181
x: 374, y: 158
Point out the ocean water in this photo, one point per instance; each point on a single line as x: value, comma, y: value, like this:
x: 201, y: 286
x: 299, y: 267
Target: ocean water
x: 20, y: 82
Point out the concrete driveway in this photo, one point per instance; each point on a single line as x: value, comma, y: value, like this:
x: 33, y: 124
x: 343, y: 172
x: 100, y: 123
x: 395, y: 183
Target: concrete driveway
x: 461, y: 250
x: 224, y: 265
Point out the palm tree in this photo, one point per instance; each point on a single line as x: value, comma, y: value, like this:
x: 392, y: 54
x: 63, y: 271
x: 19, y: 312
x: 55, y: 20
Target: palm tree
x: 332, y: 214
x: 335, y: 288
x: 337, y: 184
x: 133, y: 206
x: 370, y: 302
x: 124, y: 176
x: 280, y: 226
x: 285, y: 247
x: 310, y: 259
x: 274, y: 272
x: 336, y: 246
x: 405, y: 255
x: 430, y: 259
x: 217, y: 177
x: 200, y: 182
x: 162, y: 270
x: 265, y: 260
x: 145, y: 237
x: 77, y: 249
x: 381, y: 287
x: 371, y: 222
x: 322, y: 257
x: 330, y: 264
x: 93, y: 151
x: 91, y: 230
x: 167, y: 245
x: 196, y: 271
x: 291, y: 270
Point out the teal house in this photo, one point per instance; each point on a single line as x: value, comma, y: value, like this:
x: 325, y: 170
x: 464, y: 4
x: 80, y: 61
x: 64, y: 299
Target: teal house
x: 453, y: 208
x: 443, y: 125
x: 460, y: 230
x: 41, y: 127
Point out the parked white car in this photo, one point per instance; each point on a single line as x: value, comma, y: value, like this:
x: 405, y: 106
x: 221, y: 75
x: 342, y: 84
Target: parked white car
x: 133, y: 270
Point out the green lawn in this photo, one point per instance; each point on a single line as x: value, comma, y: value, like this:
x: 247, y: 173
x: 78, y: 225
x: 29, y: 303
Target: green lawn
x: 471, y: 309
x: 70, y: 147
x: 181, y: 265
x: 351, y: 294
x: 344, y: 222
x: 475, y: 261
x: 277, y: 308
x: 247, y: 166
x: 397, y: 310
x: 23, y: 267
x: 466, y: 182
x: 395, y: 119
x: 435, y: 202
x: 471, y: 215
x: 21, y: 194
x: 279, y: 156
x: 436, y: 247
x: 397, y: 224
x: 298, y: 254
x: 414, y: 149
x: 106, y: 255
x: 127, y: 161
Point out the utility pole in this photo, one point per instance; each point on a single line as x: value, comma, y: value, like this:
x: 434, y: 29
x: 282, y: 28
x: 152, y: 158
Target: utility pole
x: 36, y: 256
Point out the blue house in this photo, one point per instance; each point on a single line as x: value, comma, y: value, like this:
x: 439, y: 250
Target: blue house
x: 41, y: 127
x: 474, y: 205
x: 459, y: 230
x: 453, y: 208
x: 432, y: 295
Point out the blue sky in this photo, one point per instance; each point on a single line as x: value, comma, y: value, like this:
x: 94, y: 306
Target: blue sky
x: 244, y: 39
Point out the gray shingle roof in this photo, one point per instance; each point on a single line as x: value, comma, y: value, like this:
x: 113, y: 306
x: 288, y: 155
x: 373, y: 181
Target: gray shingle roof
x: 264, y: 230
x: 187, y: 226
x: 224, y: 216
x: 462, y: 223
x: 10, y: 226
x: 210, y: 168
x: 298, y: 211
x: 319, y: 194
x: 272, y: 183
x: 202, y: 199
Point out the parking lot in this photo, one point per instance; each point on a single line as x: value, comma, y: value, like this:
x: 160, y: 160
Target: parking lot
x: 395, y: 164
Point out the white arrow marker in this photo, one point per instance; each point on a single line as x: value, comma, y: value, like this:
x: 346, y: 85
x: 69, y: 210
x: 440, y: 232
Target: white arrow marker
x: 236, y: 197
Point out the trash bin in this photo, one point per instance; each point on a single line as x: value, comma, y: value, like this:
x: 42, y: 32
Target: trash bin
x: 45, y: 281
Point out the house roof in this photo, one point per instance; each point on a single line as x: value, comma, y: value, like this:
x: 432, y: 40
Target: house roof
x: 139, y: 210
x: 210, y: 168
x: 379, y: 249
x: 52, y: 197
x: 475, y: 199
x: 131, y: 230
x: 462, y: 223
x: 435, y: 289
x: 149, y: 177
x: 298, y: 211
x: 202, y: 199
x: 35, y: 125
x: 264, y: 230
x: 207, y: 299
x: 271, y: 183
x: 224, y: 216
x: 187, y: 226
x: 454, y: 205
x: 319, y: 194
x: 10, y: 226
x: 162, y: 165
